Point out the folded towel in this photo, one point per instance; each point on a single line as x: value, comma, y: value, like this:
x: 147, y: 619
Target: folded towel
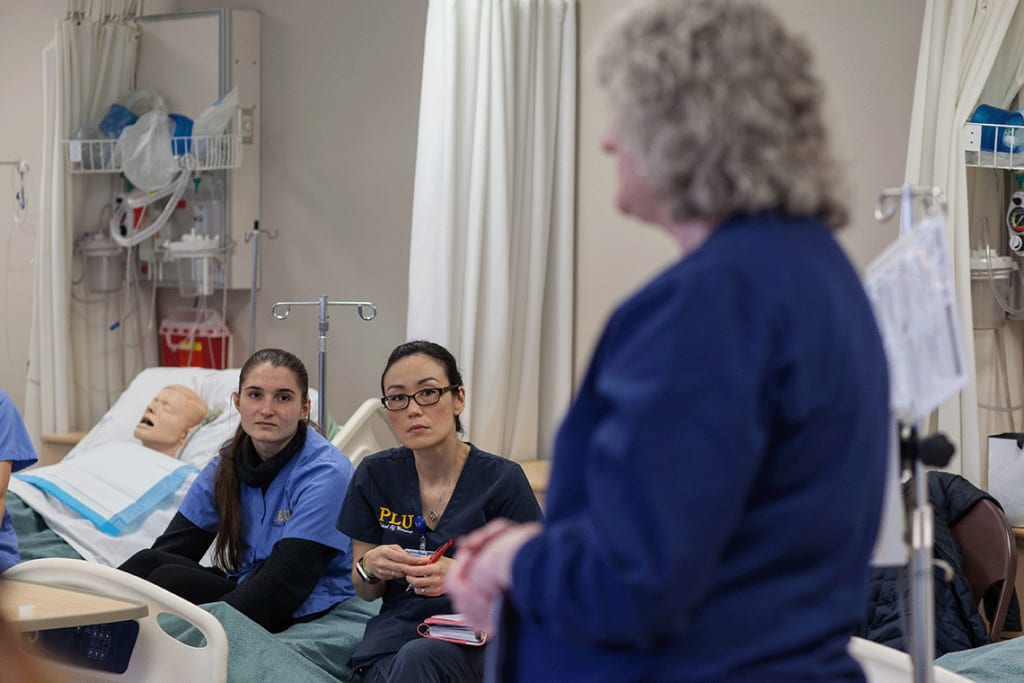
x: 113, y: 486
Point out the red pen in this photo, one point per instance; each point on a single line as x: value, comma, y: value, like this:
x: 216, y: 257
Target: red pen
x: 435, y: 557
x: 439, y: 552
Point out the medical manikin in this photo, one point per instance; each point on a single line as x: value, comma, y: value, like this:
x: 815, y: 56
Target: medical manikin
x: 169, y: 418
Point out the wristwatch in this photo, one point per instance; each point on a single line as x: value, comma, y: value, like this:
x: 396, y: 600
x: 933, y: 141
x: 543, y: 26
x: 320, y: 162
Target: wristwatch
x: 363, y: 574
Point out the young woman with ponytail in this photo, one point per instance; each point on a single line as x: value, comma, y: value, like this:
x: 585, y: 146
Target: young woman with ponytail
x: 268, y: 503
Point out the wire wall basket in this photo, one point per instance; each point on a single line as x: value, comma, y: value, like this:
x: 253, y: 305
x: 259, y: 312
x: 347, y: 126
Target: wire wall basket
x: 993, y: 145
x: 211, y: 153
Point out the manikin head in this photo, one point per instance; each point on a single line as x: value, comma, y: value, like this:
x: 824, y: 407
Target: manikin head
x: 169, y: 418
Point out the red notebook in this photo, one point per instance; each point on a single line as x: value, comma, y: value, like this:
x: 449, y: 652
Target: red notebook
x: 452, y: 628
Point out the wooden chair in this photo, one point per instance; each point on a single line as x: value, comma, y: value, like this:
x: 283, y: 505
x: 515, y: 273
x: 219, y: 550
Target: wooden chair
x: 990, y: 558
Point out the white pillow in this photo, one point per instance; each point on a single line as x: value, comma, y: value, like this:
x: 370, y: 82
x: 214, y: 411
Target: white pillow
x: 214, y: 386
x: 118, y: 423
x: 216, y: 389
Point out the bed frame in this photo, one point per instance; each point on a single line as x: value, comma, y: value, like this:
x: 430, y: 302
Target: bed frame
x: 884, y: 664
x: 157, y: 655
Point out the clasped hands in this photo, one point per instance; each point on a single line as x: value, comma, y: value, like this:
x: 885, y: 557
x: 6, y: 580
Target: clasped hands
x: 391, y: 562
x: 482, y: 569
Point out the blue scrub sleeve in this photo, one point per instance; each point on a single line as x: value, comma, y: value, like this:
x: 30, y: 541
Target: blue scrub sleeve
x: 316, y: 504
x: 517, y: 500
x: 15, y: 444
x: 356, y: 516
x: 198, y: 506
x: 16, y: 448
x: 676, y: 381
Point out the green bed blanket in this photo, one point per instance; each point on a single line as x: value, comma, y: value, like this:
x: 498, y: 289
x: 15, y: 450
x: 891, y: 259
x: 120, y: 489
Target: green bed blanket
x: 315, y: 651
x: 35, y: 538
x: 1001, y: 662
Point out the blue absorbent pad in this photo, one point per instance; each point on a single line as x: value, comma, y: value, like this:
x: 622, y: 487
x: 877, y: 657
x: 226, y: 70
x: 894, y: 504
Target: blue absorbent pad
x: 114, y: 486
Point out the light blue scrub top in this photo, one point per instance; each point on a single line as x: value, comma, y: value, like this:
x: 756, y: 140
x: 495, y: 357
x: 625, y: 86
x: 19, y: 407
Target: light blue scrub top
x: 301, y: 502
x: 16, y: 447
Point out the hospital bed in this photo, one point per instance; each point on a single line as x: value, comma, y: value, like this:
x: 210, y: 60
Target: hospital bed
x: 313, y: 651
x: 114, y: 433
x: 882, y: 664
x: 366, y: 432
x: 157, y: 655
x: 57, y: 523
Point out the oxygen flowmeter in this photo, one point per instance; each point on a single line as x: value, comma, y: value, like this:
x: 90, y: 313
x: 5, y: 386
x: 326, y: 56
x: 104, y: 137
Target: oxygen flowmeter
x: 1015, y: 222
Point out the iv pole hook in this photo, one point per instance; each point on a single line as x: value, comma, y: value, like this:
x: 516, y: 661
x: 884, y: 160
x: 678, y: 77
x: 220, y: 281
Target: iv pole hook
x: 367, y: 311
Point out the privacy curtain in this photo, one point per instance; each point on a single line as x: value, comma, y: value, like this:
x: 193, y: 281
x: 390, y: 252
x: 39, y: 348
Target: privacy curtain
x: 491, y: 256
x: 76, y: 351
x: 962, y: 57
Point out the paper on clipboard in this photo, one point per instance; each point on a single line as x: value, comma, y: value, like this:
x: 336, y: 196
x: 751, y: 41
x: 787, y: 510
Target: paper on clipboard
x: 911, y: 289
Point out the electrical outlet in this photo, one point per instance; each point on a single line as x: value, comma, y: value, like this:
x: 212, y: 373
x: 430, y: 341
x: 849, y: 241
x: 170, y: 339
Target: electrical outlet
x: 973, y: 137
x: 248, y: 123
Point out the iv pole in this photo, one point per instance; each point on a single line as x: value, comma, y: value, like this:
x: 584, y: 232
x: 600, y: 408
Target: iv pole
x: 323, y: 303
x: 254, y: 236
x: 915, y: 453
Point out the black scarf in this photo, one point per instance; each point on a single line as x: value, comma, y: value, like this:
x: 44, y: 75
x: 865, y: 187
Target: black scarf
x: 254, y: 471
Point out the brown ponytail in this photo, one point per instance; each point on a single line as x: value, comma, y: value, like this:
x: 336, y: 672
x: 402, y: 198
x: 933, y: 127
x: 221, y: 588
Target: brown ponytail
x: 227, y: 499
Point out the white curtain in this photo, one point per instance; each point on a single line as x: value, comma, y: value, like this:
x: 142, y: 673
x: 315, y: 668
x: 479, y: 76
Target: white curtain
x: 491, y: 257
x: 962, y: 57
x: 76, y: 353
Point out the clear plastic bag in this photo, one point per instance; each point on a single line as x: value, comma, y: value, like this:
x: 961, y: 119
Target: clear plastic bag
x: 212, y: 123
x: 145, y: 150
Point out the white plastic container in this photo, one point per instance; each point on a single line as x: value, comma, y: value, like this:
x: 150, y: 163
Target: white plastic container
x: 198, y: 259
x: 103, y: 261
x: 1002, y: 276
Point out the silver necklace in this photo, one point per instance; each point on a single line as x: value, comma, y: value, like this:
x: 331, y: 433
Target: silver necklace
x: 432, y: 513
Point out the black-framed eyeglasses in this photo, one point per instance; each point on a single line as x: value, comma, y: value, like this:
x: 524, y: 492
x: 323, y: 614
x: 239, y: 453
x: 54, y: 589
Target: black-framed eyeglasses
x: 423, y: 397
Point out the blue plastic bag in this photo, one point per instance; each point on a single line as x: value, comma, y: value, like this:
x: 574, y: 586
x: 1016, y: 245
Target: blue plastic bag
x: 996, y: 138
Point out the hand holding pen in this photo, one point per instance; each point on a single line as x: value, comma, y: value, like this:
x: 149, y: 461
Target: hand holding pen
x: 433, y: 559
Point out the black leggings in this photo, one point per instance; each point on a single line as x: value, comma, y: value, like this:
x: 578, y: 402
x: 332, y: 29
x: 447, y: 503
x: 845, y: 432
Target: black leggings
x: 180, y: 575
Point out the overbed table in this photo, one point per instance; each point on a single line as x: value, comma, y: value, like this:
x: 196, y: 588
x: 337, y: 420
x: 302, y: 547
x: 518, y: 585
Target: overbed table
x: 36, y: 607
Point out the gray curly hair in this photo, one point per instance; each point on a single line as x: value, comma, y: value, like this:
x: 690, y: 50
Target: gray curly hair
x: 721, y: 107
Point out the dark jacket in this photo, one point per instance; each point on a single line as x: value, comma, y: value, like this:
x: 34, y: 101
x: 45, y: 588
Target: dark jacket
x: 958, y: 624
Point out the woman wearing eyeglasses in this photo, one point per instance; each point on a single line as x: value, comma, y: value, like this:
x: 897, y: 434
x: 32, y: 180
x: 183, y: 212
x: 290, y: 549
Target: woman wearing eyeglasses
x: 405, y: 503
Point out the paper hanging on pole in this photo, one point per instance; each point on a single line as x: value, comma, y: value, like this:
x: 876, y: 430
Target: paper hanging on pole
x: 911, y: 289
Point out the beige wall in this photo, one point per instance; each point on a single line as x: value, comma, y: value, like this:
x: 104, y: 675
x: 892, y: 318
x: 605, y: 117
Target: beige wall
x: 340, y: 92
x: 340, y: 98
x: 21, y: 137
x: 866, y: 54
